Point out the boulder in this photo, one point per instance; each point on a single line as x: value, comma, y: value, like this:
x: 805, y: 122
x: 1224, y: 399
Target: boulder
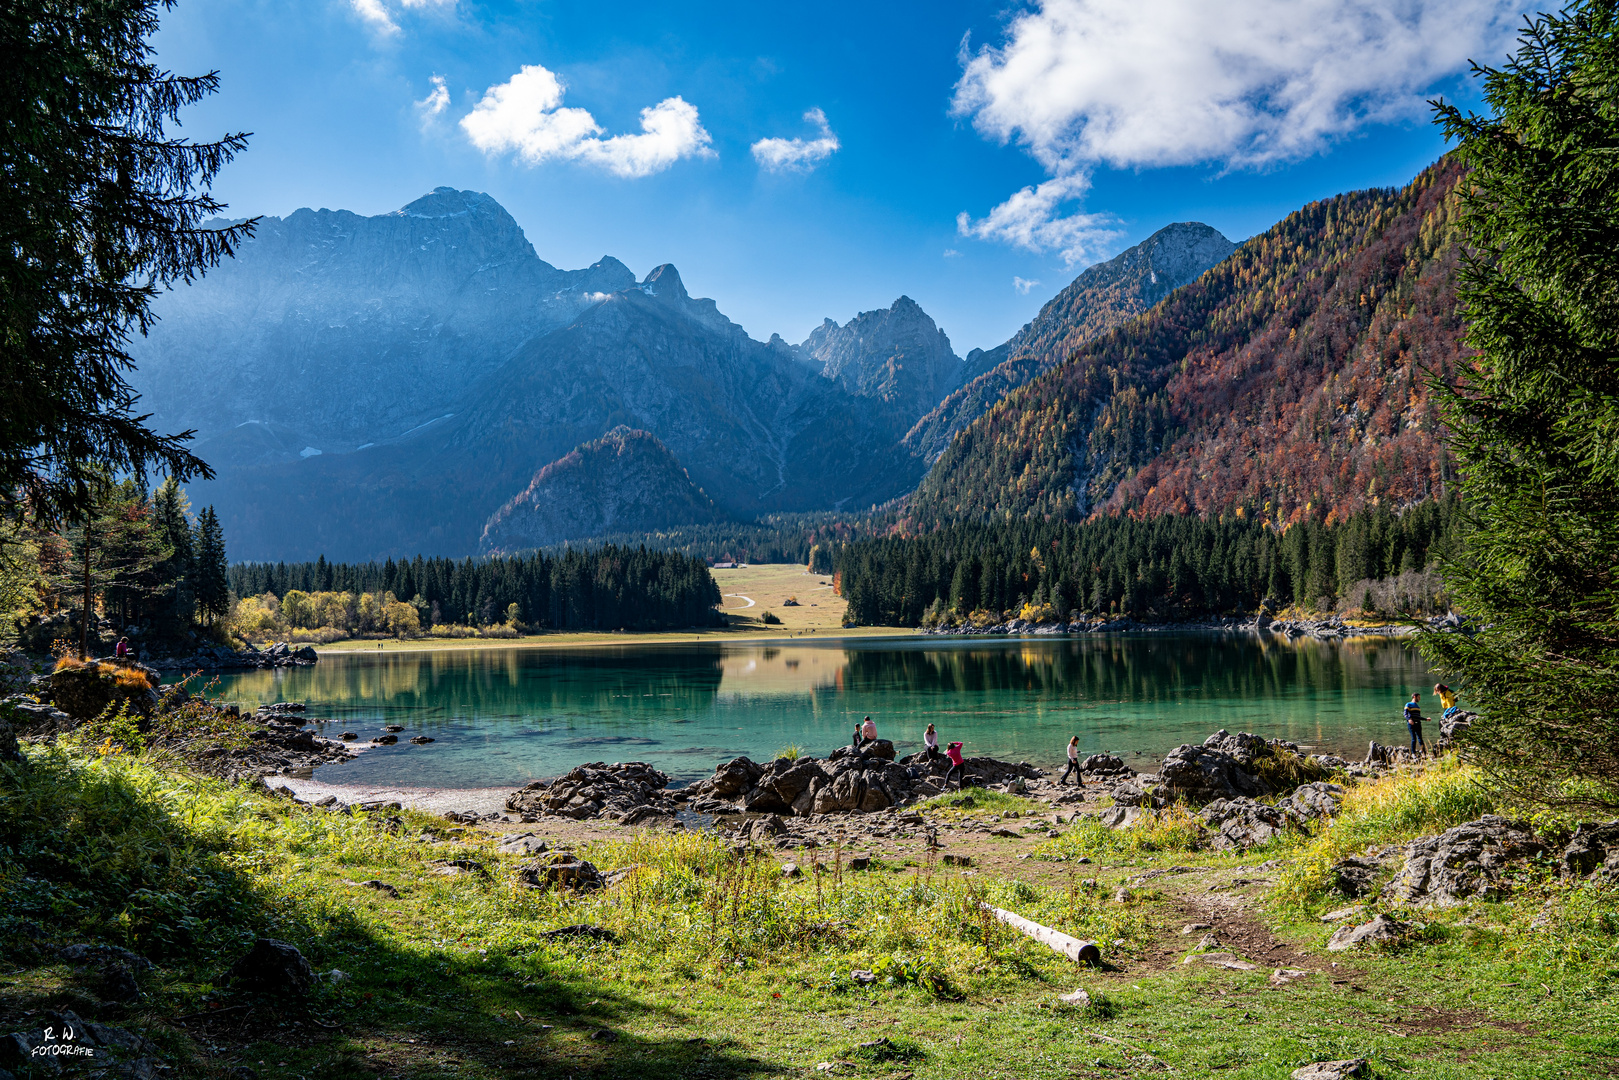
x: 1463, y: 863
x: 1452, y: 726
x: 732, y: 779
x: 595, y: 790
x: 781, y: 784
x: 560, y: 870
x: 1355, y: 875
x: 647, y: 815
x: 1312, y: 802
x: 1201, y: 774
x: 1133, y: 793
x: 1120, y: 817
x: 1104, y: 764
x: 1242, y: 823
x: 1332, y: 1070
x: 1593, y: 852
x: 1381, y: 930
x: 85, y: 691
x: 1244, y: 746
x: 274, y: 967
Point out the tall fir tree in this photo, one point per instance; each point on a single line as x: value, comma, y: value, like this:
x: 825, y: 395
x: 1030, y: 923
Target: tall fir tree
x: 171, y: 511
x: 1535, y: 424
x: 211, y: 570
x: 99, y: 210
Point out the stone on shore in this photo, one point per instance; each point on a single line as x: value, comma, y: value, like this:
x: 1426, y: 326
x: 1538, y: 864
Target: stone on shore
x: 1463, y: 863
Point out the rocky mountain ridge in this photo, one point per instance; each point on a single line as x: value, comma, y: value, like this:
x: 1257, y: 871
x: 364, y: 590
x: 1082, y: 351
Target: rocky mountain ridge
x: 1104, y: 296
x: 1290, y: 380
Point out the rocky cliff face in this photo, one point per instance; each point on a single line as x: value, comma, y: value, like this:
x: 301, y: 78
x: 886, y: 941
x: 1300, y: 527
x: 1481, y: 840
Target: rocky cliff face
x: 337, y: 330
x: 1103, y: 297
x: 625, y: 481
x: 898, y: 356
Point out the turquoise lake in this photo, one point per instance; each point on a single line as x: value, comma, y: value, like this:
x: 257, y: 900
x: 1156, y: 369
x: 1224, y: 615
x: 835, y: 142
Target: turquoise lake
x: 501, y: 717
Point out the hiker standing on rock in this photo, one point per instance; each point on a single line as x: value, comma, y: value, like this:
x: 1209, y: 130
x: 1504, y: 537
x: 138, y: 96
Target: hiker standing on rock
x: 1413, y: 722
x: 1447, y: 700
x: 1073, y: 763
x: 953, y: 752
x: 930, y: 742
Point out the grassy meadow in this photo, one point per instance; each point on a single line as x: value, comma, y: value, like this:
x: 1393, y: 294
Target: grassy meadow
x: 720, y: 965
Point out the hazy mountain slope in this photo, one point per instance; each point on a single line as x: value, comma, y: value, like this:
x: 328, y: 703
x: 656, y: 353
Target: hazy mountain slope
x: 625, y: 481
x: 1106, y: 295
x: 898, y: 356
x: 342, y: 329
x: 756, y: 429
x: 1287, y: 380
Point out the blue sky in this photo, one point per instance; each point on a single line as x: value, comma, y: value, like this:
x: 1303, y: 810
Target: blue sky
x: 961, y: 150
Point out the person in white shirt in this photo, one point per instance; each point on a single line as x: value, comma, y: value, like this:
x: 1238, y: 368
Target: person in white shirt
x: 868, y: 732
x: 1073, y: 763
x: 930, y: 742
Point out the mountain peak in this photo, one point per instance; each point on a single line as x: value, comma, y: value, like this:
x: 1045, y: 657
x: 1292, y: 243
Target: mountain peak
x: 445, y: 202
x: 624, y: 481
x: 664, y: 283
x: 896, y: 354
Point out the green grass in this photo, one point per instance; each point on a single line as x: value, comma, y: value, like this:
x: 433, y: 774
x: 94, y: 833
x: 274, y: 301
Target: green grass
x: 723, y: 968
x: 976, y: 801
x: 1429, y: 802
x: 1172, y: 834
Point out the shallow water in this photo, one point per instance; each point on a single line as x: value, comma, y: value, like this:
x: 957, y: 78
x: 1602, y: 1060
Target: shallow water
x: 506, y: 716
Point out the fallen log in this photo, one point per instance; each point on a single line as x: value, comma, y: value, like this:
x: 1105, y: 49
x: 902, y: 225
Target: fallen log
x: 1080, y: 952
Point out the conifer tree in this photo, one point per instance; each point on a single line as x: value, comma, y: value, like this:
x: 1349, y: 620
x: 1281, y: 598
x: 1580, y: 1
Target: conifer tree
x: 99, y: 211
x: 1535, y: 425
x: 212, y: 577
x: 170, y: 511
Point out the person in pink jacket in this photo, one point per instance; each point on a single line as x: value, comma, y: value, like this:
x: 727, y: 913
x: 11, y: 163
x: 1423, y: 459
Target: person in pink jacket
x: 953, y: 752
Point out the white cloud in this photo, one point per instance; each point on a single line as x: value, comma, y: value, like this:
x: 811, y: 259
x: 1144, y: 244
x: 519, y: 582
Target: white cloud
x: 1031, y: 219
x: 524, y: 115
x: 433, y: 105
x: 951, y: 253
x: 1023, y: 285
x: 381, y: 14
x: 1166, y: 82
x: 1147, y: 83
x: 778, y: 155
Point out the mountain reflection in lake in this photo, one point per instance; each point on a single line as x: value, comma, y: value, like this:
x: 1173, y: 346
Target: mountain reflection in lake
x: 505, y: 716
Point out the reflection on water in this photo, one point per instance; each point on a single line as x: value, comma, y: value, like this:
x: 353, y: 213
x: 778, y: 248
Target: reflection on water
x: 503, y: 717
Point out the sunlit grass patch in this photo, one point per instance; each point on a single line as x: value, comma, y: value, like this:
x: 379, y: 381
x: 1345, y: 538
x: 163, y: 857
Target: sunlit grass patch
x: 1171, y: 831
x: 1393, y: 810
x: 972, y: 801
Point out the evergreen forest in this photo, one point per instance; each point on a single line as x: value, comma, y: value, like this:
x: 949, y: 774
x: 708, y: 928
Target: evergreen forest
x: 1165, y: 568
x: 606, y: 588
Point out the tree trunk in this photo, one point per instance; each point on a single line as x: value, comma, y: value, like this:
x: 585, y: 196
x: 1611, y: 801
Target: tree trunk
x: 89, y: 597
x: 1080, y: 952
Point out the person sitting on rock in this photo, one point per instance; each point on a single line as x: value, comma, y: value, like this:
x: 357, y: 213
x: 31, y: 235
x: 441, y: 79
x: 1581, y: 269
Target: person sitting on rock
x: 930, y: 742
x: 854, y: 743
x: 953, y: 752
x: 121, y: 650
x: 868, y: 732
x: 1447, y: 700
x: 1073, y: 763
x: 1414, y: 721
